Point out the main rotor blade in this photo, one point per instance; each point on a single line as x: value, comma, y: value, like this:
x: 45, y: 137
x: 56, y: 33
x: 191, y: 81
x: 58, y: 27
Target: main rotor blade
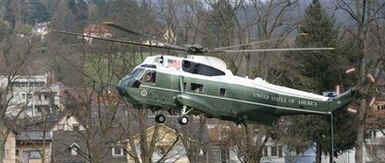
x: 246, y: 44
x: 122, y: 41
x: 273, y: 50
x: 111, y: 24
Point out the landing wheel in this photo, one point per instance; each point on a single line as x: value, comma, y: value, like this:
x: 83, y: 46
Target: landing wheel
x: 160, y: 118
x: 183, y: 120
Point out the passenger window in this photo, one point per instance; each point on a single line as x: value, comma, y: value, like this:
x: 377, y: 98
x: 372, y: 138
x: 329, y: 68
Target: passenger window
x: 198, y: 88
x: 222, y: 92
x: 201, y: 69
x: 149, y: 77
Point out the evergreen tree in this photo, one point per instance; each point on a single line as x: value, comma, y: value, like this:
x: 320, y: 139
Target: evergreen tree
x: 36, y: 12
x: 321, y: 71
x: 317, y: 30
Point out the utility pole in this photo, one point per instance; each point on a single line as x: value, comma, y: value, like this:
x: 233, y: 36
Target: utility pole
x: 331, y: 138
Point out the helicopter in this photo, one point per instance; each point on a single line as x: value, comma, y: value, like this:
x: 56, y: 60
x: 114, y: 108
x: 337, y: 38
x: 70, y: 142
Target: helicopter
x: 202, y: 84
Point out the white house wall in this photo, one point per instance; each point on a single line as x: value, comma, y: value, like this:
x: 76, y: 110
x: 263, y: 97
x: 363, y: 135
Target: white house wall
x: 349, y: 156
x: 177, y: 154
x: 67, y: 124
x: 26, y: 95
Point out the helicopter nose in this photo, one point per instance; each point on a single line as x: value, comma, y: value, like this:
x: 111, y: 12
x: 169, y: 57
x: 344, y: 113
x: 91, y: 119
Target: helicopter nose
x: 121, y: 87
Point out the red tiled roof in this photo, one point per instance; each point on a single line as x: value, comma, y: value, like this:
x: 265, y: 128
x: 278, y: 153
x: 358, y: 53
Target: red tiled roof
x: 96, y: 28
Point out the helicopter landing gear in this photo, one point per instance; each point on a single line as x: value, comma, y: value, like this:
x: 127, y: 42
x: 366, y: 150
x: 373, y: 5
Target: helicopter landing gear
x: 160, y: 118
x: 242, y: 120
x: 183, y: 119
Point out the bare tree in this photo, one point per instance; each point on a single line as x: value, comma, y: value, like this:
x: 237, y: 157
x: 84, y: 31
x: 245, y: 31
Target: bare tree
x: 15, y: 57
x: 364, y: 13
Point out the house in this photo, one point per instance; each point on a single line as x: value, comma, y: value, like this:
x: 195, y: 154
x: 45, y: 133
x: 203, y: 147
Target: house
x: 41, y: 29
x: 33, y: 146
x: 167, y: 137
x: 32, y: 95
x: 53, y: 139
x: 84, y: 130
x: 35, y: 137
x: 96, y: 30
x: 169, y: 36
x: 66, y: 145
x: 75, y: 139
x: 374, y: 149
x: 223, y: 147
x: 9, y: 134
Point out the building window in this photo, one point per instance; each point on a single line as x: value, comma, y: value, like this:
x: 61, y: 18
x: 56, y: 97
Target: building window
x: 38, y: 109
x: 75, y: 126
x: 298, y: 151
x: 280, y: 151
x: 265, y: 151
x: 29, y: 96
x: 370, y: 134
x: 118, y: 151
x: 380, y: 107
x: 225, y: 156
x: 34, y: 155
x: 74, y: 149
x: 273, y: 150
x: 26, y: 96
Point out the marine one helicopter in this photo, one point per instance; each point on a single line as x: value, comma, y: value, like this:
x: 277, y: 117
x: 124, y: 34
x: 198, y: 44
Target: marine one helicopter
x: 201, y: 84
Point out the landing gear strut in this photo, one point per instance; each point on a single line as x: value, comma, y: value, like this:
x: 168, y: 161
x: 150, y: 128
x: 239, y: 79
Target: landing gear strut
x: 160, y: 118
x: 242, y: 120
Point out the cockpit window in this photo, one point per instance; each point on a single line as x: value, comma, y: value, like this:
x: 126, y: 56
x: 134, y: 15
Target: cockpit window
x: 149, y: 76
x: 201, y: 69
x: 137, y: 73
x: 148, y: 66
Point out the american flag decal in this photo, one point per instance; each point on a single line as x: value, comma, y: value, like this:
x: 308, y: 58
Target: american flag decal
x: 175, y: 64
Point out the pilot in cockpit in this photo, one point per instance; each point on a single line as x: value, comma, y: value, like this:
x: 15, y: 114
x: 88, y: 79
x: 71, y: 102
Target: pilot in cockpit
x: 150, y: 77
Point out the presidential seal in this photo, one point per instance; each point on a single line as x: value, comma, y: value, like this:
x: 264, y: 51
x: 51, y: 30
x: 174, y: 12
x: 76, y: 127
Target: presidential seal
x: 143, y: 92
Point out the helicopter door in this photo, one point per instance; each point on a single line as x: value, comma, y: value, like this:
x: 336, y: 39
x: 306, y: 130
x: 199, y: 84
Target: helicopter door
x: 146, y: 88
x: 157, y: 88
